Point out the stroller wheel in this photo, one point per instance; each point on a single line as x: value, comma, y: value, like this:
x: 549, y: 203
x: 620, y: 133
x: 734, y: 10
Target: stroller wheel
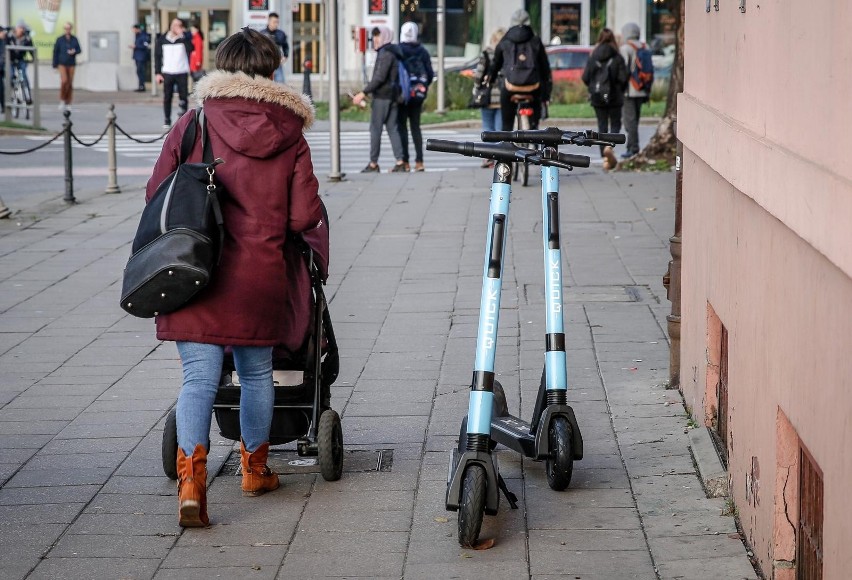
x: 330, y: 445
x: 170, y: 445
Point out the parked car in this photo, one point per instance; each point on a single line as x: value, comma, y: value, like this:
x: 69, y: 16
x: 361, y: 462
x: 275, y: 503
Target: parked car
x: 566, y: 63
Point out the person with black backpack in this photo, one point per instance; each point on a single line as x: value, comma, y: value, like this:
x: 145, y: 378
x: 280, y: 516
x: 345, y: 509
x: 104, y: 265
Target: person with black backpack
x: 384, y: 87
x: 640, y: 69
x: 418, y: 63
x: 606, y: 76
x: 521, y: 57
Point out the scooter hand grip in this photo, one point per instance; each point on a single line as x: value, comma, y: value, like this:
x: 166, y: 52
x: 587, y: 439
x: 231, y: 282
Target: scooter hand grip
x: 444, y: 146
x: 496, y: 136
x: 617, y: 138
x: 575, y: 160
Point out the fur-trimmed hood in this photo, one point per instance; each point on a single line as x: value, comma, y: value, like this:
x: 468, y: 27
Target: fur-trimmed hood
x: 226, y: 85
x: 256, y: 117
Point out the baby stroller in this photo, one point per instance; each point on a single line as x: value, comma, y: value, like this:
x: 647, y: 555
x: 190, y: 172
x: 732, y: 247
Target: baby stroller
x: 302, y: 411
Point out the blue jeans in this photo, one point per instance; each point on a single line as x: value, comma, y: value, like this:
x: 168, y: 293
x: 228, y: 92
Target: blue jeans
x: 278, y: 75
x: 202, y: 371
x: 491, y: 120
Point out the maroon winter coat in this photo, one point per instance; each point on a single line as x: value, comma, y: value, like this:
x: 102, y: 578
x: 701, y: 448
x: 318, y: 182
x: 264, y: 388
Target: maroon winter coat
x: 255, y: 298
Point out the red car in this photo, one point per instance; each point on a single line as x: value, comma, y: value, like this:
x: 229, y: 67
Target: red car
x: 566, y: 63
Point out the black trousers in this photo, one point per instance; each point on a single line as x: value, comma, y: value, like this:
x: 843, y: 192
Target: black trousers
x: 411, y: 112
x: 140, y: 73
x: 180, y: 81
x: 508, y: 109
x: 609, y: 120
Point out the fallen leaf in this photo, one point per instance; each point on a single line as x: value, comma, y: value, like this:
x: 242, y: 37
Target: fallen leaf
x: 465, y: 555
x: 650, y: 209
x: 485, y: 544
x: 441, y: 520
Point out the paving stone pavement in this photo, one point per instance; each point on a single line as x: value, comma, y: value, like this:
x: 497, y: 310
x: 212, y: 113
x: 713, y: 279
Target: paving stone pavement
x: 85, y: 390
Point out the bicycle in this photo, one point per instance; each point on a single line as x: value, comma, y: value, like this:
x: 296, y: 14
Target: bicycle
x: 20, y: 97
x: 523, y: 122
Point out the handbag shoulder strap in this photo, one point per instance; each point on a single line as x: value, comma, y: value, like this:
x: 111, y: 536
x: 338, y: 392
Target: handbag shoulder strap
x: 206, y: 149
x: 188, y: 141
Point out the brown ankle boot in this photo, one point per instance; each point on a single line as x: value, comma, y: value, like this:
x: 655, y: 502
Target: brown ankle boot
x: 257, y: 477
x: 192, y: 488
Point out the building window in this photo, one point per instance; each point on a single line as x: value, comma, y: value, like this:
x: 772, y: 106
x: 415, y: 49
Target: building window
x: 721, y: 424
x: 463, y: 25
x: 809, y: 557
x: 661, y: 26
x: 307, y: 36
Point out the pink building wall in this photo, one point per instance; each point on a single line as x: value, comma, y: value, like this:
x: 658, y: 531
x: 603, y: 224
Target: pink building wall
x: 766, y: 124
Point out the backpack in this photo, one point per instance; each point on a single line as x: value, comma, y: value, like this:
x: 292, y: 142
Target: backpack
x: 600, y: 86
x: 403, y: 83
x: 180, y: 235
x: 521, y: 69
x: 642, y: 71
x: 418, y: 81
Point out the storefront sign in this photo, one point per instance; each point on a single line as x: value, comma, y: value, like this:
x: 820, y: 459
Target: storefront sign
x: 377, y: 7
x: 258, y: 5
x: 45, y: 19
x: 566, y: 22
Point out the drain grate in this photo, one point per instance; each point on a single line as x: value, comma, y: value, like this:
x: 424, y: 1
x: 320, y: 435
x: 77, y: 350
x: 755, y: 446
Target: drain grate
x: 288, y: 462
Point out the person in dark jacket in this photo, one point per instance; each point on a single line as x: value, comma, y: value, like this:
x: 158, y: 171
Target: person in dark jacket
x: 606, y: 60
x: 256, y: 126
x: 171, y: 63
x: 141, y: 54
x: 279, y: 37
x: 413, y: 51
x: 20, y: 59
x: 65, y: 51
x: 384, y: 87
x: 517, y: 37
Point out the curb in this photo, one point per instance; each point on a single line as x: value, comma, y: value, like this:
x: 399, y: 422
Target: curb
x: 710, y: 470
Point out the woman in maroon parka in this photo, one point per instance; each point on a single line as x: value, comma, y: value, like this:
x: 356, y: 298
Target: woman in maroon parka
x: 256, y: 126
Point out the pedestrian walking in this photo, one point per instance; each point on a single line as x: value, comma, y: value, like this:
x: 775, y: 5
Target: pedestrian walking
x: 65, y: 51
x: 633, y: 96
x: 384, y: 87
x: 196, y: 59
x: 171, y: 63
x: 141, y: 54
x: 419, y: 65
x: 20, y: 59
x: 521, y: 57
x: 256, y: 125
x: 279, y: 37
x: 492, y: 120
x: 606, y: 77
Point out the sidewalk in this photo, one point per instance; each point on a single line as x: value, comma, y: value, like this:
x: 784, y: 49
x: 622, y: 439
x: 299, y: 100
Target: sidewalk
x: 85, y: 390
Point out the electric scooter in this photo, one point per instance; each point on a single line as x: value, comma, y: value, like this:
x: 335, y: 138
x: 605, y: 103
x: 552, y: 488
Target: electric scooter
x: 473, y: 478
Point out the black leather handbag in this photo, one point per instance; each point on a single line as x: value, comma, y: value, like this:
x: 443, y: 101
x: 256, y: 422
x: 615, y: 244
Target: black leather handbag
x: 180, y: 235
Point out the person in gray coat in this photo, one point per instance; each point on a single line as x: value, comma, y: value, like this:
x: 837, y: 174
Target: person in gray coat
x: 383, y: 86
x: 633, y: 98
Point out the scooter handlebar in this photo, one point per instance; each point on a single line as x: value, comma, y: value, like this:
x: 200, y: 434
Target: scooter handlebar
x: 554, y: 136
x: 616, y: 138
x: 505, y: 152
x: 574, y: 160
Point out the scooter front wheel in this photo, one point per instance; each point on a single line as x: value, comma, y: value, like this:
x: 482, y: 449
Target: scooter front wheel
x: 472, y: 505
x: 560, y: 464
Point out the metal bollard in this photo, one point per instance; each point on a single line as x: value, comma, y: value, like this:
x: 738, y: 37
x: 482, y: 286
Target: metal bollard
x: 306, y: 78
x: 112, y: 178
x: 69, y: 172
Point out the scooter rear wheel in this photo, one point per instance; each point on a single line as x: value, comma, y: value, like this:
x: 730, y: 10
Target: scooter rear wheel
x: 560, y: 464
x: 472, y: 505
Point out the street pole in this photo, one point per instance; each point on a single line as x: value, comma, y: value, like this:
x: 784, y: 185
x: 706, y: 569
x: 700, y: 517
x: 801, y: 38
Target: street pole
x: 334, y: 93
x: 441, y: 42
x: 672, y: 278
x: 155, y: 27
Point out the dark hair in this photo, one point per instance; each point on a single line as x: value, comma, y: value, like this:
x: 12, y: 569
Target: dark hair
x: 607, y: 36
x: 273, y: 15
x: 250, y: 52
x: 375, y: 32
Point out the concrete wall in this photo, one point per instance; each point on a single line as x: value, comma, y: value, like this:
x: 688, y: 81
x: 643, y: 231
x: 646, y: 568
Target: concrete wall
x: 767, y: 203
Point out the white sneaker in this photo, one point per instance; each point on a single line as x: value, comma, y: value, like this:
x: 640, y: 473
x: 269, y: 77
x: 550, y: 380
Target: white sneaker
x: 62, y: 105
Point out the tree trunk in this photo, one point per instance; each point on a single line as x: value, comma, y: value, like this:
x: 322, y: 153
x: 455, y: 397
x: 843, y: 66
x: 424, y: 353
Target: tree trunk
x: 662, y: 144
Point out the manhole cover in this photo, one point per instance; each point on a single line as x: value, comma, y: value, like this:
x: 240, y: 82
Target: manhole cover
x: 288, y: 462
